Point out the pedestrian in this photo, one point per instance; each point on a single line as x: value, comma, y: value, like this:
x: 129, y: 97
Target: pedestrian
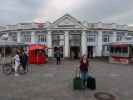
x: 17, y: 63
x: 84, y: 63
x: 20, y: 56
x: 58, y: 57
x: 24, y: 61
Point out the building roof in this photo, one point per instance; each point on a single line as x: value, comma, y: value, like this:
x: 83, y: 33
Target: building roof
x: 67, y: 20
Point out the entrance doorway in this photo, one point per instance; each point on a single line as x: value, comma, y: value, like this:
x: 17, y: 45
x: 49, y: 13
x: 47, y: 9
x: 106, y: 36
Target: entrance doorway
x: 74, y: 52
x: 90, y: 51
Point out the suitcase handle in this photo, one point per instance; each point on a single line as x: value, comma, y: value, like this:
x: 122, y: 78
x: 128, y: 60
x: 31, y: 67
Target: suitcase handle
x: 77, y: 72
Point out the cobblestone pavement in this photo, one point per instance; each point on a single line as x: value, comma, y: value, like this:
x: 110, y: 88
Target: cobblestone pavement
x: 54, y: 82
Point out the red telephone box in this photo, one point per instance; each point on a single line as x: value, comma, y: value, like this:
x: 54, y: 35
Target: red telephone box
x: 37, y: 54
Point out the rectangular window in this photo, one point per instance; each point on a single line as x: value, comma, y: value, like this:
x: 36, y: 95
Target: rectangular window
x: 120, y: 35
x: 13, y: 36
x: 75, y: 39
x: 105, y: 38
x: 41, y: 38
x: 26, y: 36
x: 92, y: 35
x: 91, y: 38
x: 62, y: 37
x: 130, y: 33
x: 58, y: 39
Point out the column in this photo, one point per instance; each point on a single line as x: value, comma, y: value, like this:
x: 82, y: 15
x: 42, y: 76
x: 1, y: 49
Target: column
x: 66, y: 48
x: 19, y: 37
x: 84, y: 43
x: 49, y: 43
x: 33, y: 37
x: 94, y: 51
x: 99, y: 44
x: 114, y: 37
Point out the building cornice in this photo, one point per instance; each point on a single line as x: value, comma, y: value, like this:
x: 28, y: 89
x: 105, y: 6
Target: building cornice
x: 78, y: 26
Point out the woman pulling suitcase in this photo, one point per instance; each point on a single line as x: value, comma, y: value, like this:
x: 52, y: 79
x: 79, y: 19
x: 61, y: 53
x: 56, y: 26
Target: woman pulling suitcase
x: 84, y: 64
x: 84, y: 80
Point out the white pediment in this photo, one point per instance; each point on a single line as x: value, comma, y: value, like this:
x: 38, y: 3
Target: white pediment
x: 67, y: 21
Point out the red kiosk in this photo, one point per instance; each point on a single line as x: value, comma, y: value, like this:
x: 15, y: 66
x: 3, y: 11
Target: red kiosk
x: 121, y: 52
x: 37, y: 54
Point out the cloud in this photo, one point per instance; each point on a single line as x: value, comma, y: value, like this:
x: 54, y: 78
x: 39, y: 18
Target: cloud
x: 15, y: 11
x: 56, y: 8
x: 121, y: 18
x: 100, y: 10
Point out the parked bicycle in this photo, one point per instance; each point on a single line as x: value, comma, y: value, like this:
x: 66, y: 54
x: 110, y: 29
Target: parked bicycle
x: 8, y: 69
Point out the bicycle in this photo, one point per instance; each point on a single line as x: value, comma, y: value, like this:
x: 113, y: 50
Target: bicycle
x: 8, y: 69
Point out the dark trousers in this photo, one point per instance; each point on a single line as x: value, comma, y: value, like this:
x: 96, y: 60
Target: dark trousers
x: 24, y: 66
x: 58, y: 60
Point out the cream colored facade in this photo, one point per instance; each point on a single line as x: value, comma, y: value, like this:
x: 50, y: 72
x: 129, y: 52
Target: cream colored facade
x: 73, y: 36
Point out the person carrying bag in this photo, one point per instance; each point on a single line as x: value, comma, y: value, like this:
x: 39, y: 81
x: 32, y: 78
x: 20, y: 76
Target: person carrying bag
x: 84, y: 64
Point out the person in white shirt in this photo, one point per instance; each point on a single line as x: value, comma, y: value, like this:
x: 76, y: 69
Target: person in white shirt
x: 17, y: 63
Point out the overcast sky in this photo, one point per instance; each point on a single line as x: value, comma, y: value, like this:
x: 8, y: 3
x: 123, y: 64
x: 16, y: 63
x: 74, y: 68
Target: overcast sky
x: 113, y: 11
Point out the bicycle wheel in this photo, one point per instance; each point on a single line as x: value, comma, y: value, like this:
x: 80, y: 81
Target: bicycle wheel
x: 7, y: 69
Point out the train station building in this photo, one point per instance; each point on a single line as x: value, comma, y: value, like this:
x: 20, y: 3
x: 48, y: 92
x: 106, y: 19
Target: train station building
x: 72, y: 36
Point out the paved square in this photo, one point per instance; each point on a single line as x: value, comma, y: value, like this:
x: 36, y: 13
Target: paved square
x: 54, y: 82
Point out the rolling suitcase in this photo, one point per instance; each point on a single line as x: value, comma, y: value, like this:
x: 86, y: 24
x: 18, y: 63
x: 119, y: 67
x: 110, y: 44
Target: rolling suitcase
x: 91, y: 83
x: 77, y: 82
